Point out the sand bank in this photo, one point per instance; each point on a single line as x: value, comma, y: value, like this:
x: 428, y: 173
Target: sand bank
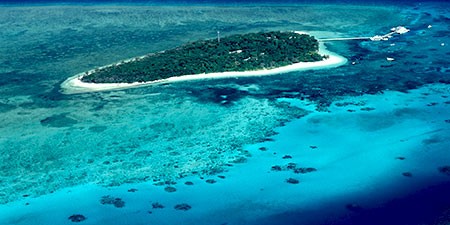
x: 74, y: 85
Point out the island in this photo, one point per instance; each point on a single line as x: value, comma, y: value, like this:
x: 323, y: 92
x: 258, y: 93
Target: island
x: 255, y: 54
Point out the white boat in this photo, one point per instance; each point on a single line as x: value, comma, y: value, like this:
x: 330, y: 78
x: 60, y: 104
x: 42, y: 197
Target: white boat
x: 400, y: 30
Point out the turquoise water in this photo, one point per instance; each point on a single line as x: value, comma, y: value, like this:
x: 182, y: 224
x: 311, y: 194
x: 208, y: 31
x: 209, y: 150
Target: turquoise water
x: 374, y: 133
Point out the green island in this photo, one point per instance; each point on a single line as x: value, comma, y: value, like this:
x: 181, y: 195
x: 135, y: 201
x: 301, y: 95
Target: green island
x: 243, y: 52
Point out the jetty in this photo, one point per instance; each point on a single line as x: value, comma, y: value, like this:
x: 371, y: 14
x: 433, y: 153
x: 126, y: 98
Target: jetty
x: 395, y: 30
x: 345, y: 39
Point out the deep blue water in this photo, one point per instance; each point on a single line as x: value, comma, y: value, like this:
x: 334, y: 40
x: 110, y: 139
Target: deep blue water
x: 426, y: 206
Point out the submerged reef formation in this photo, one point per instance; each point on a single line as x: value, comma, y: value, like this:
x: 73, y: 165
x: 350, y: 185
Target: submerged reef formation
x: 444, y: 170
x: 157, y: 205
x: 171, y: 140
x: 170, y: 189
x: 76, y: 218
x: 293, y: 167
x: 244, y: 52
x: 292, y: 181
x: 108, y: 200
x: 183, y: 207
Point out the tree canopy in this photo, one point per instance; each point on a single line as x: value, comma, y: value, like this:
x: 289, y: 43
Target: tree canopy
x: 245, y: 52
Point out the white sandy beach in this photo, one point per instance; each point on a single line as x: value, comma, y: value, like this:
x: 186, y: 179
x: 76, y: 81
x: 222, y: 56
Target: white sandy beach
x: 74, y: 85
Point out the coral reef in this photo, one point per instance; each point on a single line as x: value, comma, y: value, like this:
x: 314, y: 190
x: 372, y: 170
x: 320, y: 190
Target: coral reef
x: 77, y: 218
x: 182, y: 207
x: 444, y: 170
x: 292, y: 181
x: 157, y: 205
x: 108, y: 200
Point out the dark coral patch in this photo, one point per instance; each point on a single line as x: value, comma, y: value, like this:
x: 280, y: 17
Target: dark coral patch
x: 183, y: 207
x: 108, y: 200
x: 292, y: 181
x: 76, y: 218
x: 367, y: 109
x: 157, y: 205
x: 293, y: 167
x: 170, y: 189
x: 444, y: 170
x: 407, y: 174
x: 305, y: 170
x: 211, y: 181
x: 160, y: 183
x: 276, y: 168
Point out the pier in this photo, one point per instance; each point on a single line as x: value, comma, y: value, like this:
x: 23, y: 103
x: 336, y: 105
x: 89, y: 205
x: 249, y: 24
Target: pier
x: 395, y: 30
x: 345, y: 39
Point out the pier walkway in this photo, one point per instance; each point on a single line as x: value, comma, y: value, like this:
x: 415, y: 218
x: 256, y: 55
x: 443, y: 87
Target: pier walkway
x: 344, y: 39
x: 394, y: 30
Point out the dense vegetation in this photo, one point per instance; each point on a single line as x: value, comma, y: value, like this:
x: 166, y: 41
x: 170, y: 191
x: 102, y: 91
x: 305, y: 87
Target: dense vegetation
x: 233, y: 53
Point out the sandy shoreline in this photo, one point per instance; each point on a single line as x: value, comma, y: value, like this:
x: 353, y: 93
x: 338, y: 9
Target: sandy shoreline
x: 74, y: 85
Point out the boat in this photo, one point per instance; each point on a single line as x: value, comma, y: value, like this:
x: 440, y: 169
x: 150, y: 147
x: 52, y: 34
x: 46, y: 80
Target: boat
x: 400, y: 30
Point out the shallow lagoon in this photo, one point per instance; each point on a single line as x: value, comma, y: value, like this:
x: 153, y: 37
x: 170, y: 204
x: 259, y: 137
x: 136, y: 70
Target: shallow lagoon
x: 61, y: 154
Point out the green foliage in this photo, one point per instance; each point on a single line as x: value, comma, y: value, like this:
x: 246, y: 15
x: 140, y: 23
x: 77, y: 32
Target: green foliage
x: 245, y: 52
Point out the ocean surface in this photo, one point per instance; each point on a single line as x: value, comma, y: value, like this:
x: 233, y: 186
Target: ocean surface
x: 365, y: 143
